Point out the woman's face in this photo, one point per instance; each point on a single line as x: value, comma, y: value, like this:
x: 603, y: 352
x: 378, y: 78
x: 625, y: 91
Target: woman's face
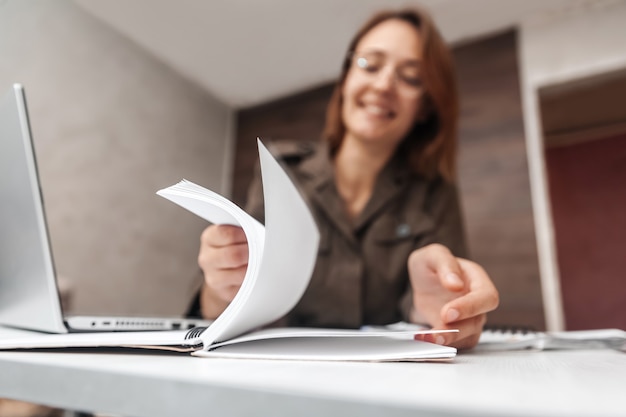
x: 382, y: 91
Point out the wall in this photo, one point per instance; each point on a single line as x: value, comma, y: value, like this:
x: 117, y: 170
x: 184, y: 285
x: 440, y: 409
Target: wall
x: 111, y: 126
x: 573, y: 45
x: 297, y: 117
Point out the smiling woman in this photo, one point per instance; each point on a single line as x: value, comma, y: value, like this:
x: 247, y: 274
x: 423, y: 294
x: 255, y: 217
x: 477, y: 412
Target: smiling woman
x: 382, y: 188
x: 427, y: 71
x: 378, y: 105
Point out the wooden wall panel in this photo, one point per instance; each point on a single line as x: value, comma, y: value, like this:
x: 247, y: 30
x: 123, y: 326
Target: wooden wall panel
x: 493, y: 173
x: 594, y: 102
x: 298, y: 117
x: 494, y: 179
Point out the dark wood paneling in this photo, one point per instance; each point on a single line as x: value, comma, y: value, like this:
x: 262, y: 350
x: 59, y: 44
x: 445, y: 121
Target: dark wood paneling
x: 493, y: 177
x: 585, y: 104
x: 493, y: 172
x: 297, y: 117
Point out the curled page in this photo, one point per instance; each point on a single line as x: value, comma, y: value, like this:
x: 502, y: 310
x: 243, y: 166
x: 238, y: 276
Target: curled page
x: 281, y: 255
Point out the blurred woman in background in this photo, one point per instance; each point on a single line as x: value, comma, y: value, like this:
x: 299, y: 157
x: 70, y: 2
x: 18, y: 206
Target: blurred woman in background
x: 381, y: 186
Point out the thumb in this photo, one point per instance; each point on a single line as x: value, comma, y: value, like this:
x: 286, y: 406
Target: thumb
x: 451, y: 278
x: 441, y: 263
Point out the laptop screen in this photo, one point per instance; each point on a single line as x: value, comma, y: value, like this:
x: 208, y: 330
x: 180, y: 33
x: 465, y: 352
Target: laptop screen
x: 28, y: 294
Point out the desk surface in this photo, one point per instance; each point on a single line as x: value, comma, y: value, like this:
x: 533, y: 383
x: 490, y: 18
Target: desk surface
x: 554, y: 383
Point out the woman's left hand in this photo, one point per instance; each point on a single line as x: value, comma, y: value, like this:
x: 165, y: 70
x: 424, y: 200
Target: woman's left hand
x: 450, y: 293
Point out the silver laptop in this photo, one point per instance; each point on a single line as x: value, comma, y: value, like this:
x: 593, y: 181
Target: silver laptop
x: 29, y: 297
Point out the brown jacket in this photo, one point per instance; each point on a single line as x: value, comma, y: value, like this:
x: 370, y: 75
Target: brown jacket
x: 361, y: 274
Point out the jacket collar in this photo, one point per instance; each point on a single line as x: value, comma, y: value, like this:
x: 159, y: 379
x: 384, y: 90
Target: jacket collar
x: 319, y: 175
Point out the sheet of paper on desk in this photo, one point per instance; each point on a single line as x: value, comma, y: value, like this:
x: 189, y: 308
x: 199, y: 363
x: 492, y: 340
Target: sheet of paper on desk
x: 331, y: 345
x: 175, y: 340
x: 517, y: 339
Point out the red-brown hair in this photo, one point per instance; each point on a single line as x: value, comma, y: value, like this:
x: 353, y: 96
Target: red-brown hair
x: 431, y: 144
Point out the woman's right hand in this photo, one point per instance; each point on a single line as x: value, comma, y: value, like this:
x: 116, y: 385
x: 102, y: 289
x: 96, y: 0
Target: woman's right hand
x: 223, y: 259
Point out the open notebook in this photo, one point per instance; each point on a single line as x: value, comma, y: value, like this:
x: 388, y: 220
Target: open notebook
x: 282, y: 255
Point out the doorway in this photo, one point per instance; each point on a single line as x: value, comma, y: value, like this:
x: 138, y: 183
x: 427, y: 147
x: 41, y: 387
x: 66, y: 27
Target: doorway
x: 584, y: 129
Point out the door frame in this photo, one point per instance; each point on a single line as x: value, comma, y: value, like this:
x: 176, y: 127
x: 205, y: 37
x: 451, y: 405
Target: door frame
x: 531, y: 84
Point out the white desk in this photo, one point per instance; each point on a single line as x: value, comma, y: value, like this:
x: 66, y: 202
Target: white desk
x: 565, y: 383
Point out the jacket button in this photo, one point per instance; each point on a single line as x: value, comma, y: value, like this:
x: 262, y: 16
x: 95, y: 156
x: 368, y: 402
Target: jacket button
x: 403, y: 230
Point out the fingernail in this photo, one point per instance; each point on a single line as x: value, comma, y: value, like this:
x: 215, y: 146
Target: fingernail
x: 440, y: 340
x: 453, y: 279
x: 452, y: 315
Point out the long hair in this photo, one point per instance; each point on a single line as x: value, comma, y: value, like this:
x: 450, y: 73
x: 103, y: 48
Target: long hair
x: 431, y: 144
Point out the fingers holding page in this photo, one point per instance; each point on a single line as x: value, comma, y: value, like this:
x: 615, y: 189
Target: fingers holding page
x: 222, y: 247
x: 226, y: 257
x: 468, y: 312
x: 433, y: 267
x: 481, y: 297
x: 467, y: 336
x: 450, y: 293
x: 223, y: 258
x: 219, y: 235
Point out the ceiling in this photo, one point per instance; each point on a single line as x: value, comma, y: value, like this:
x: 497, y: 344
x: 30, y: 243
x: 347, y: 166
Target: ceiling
x: 246, y: 52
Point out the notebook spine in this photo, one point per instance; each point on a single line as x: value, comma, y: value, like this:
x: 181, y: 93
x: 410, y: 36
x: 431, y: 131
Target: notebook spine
x: 195, y: 332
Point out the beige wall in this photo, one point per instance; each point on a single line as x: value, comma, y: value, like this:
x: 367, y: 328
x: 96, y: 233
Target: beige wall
x: 561, y: 48
x: 111, y: 126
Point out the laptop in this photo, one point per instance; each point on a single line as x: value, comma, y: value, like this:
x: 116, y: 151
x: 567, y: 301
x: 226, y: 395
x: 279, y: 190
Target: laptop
x: 29, y: 296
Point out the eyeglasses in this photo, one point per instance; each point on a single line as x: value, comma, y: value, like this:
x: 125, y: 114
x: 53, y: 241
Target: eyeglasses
x: 407, y: 73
